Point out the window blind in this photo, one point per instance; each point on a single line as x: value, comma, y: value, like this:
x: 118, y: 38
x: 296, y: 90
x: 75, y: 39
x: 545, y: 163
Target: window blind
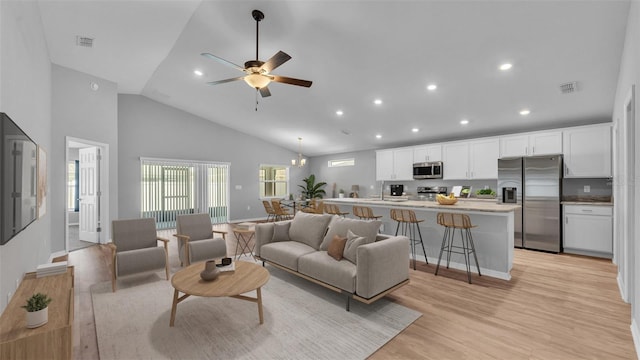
x: 176, y: 187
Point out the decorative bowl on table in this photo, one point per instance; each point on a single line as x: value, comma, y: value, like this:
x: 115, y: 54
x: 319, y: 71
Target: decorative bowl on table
x: 445, y: 200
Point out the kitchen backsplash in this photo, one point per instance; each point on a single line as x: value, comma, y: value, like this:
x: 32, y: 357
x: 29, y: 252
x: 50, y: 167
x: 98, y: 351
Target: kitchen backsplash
x: 587, y: 189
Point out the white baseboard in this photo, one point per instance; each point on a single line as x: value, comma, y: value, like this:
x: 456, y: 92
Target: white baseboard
x: 56, y: 254
x: 621, y: 288
x: 463, y: 267
x: 635, y: 334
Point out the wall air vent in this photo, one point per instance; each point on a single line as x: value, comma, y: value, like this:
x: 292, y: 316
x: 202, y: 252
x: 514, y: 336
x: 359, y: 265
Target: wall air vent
x: 568, y: 88
x: 84, y: 41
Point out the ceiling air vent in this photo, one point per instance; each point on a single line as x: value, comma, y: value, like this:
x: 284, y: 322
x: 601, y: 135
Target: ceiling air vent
x: 84, y: 41
x: 568, y: 88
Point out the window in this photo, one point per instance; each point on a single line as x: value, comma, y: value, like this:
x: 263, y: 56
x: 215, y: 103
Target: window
x: 73, y: 185
x: 176, y: 187
x: 274, y: 181
x: 342, y: 162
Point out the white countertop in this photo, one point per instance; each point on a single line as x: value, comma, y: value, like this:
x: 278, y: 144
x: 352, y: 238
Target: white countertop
x: 486, y: 205
x: 587, y: 203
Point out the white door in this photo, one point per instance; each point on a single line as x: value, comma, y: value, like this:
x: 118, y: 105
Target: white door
x: 90, y: 194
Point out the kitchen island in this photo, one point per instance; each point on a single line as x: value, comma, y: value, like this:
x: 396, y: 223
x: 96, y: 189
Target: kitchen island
x: 493, y: 236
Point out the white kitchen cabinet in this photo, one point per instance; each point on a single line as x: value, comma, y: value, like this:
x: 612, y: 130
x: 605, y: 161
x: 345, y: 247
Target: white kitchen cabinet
x: 394, y: 164
x: 587, y: 151
x: 483, y: 158
x: 531, y: 144
x: 588, y: 230
x: 424, y: 153
x: 455, y: 160
x: 477, y: 159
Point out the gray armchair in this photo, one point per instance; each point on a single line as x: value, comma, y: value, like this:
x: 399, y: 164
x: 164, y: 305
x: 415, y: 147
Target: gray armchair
x: 134, y: 248
x: 196, y: 241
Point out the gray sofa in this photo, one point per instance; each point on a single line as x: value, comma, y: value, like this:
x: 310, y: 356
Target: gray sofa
x: 374, y: 264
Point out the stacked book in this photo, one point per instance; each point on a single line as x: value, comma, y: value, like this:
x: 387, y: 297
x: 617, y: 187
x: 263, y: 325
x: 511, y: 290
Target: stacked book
x: 51, y: 269
x: 227, y: 268
x: 245, y: 226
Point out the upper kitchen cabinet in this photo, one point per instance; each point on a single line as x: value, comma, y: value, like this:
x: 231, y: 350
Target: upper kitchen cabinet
x: 587, y: 151
x: 477, y: 159
x: 538, y: 143
x: 394, y: 164
x: 425, y: 153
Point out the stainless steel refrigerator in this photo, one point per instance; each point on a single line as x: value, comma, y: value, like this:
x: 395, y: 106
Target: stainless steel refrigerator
x: 535, y: 183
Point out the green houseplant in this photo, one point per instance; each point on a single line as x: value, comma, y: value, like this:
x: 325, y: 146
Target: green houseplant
x: 310, y: 189
x: 37, y: 310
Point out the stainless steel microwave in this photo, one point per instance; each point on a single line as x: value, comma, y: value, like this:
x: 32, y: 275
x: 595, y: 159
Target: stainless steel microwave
x: 427, y: 170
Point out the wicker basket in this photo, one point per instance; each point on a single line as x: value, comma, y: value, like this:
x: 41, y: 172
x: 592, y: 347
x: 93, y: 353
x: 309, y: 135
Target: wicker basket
x: 446, y: 200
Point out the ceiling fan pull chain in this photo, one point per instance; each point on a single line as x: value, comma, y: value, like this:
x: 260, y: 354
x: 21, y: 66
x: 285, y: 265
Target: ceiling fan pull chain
x: 257, y: 99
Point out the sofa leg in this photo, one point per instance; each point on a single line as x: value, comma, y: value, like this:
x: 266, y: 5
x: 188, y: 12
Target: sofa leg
x: 348, y: 301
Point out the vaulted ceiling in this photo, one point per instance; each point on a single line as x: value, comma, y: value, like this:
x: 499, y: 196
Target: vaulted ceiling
x: 356, y: 52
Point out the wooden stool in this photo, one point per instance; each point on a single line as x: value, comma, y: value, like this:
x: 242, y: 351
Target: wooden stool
x: 364, y: 213
x: 451, y: 222
x: 409, y: 224
x: 333, y: 209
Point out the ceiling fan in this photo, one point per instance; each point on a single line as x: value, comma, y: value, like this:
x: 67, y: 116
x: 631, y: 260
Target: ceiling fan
x: 258, y: 73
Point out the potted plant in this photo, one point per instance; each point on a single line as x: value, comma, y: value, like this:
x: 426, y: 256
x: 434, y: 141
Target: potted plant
x: 341, y: 193
x: 310, y: 189
x: 37, y: 310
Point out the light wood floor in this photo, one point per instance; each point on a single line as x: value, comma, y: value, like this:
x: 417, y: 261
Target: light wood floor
x: 554, y: 307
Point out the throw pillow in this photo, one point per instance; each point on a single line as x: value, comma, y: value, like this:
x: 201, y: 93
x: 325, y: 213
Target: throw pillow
x: 340, y: 226
x: 281, y: 231
x: 350, y: 248
x: 336, y: 247
x: 309, y: 228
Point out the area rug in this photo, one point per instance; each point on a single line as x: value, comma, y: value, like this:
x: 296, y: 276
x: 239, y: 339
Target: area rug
x: 302, y: 320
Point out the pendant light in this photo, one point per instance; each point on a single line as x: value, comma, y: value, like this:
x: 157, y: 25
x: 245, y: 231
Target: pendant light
x: 300, y: 161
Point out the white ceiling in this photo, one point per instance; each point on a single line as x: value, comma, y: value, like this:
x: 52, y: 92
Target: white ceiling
x: 354, y: 52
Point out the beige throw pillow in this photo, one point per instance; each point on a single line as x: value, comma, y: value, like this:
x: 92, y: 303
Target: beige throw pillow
x: 350, y: 248
x: 281, y: 231
x: 336, y: 247
x: 339, y: 226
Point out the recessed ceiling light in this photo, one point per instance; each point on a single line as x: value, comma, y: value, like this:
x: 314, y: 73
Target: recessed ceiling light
x: 415, y: 130
x: 377, y: 101
x: 378, y: 136
x: 432, y: 87
x: 525, y: 112
x: 464, y: 122
x: 198, y: 72
x: 339, y: 112
x: 505, y: 66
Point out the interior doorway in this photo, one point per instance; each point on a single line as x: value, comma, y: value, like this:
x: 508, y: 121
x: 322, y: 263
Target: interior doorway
x: 87, y: 193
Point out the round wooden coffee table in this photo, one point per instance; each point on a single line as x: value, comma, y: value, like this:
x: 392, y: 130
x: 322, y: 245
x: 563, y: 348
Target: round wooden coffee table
x: 246, y: 277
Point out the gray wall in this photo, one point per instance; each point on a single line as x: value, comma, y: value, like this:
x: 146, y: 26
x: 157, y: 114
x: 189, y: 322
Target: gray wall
x: 80, y: 112
x: 362, y: 174
x: 25, y: 95
x: 149, y: 129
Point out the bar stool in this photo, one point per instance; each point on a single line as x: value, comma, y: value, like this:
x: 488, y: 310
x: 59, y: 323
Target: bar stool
x: 451, y: 222
x: 410, y: 224
x: 333, y: 209
x: 364, y: 213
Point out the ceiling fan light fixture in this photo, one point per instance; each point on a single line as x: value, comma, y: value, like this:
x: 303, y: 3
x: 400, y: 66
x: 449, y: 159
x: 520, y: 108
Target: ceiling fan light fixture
x: 257, y: 81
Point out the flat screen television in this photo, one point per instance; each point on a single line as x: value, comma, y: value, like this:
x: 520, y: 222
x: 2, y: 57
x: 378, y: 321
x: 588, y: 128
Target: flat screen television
x: 18, y: 161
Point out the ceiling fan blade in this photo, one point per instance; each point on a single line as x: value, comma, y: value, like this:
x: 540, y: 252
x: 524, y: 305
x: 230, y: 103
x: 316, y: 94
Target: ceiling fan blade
x: 264, y: 92
x: 225, y: 80
x: 276, y: 60
x: 292, y: 81
x: 222, y: 61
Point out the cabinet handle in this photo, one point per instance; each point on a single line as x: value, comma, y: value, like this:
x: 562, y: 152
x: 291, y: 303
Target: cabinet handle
x: 526, y: 150
x: 533, y: 150
x: 587, y: 210
x: 566, y: 170
x: 566, y: 220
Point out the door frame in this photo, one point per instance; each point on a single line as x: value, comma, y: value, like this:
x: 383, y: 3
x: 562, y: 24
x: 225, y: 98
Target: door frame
x: 624, y: 217
x: 104, y: 221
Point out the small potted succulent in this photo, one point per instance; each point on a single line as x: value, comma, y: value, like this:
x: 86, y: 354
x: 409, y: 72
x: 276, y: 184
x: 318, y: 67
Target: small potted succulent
x: 341, y: 193
x: 37, y: 310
